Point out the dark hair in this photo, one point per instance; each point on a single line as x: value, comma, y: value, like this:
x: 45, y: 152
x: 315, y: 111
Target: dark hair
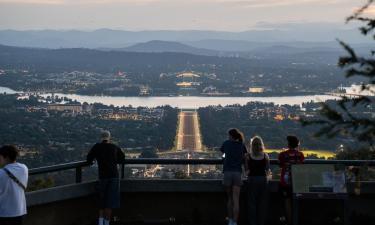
x: 293, y: 141
x: 10, y: 152
x: 236, y: 134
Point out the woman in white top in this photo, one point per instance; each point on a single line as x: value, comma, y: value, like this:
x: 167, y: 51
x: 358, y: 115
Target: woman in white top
x: 13, y: 182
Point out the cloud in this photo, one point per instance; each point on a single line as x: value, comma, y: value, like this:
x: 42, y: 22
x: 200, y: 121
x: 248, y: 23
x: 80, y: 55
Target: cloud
x: 49, y: 2
x: 276, y: 3
x: 370, y: 11
x: 248, y: 3
x: 76, y: 2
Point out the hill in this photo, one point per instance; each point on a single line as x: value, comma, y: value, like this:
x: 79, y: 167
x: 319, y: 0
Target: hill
x: 157, y: 46
x: 55, y: 60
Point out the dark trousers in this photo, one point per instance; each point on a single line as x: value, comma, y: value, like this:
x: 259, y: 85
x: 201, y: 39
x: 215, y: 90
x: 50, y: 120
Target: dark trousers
x: 257, y: 200
x: 11, y: 220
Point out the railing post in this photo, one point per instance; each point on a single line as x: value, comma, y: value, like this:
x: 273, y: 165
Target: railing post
x: 78, y: 174
x: 122, y: 171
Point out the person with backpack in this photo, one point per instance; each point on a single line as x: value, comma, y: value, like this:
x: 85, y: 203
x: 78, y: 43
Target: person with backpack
x: 107, y: 156
x: 286, y: 159
x: 13, y: 183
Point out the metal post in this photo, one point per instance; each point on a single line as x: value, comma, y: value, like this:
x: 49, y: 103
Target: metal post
x: 78, y: 174
x: 122, y: 171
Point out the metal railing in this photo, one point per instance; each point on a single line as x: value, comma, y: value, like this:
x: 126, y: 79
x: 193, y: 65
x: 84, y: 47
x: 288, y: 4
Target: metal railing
x: 81, y: 164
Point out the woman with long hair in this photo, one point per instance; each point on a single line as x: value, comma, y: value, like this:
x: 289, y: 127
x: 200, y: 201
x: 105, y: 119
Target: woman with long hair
x: 258, y: 169
x: 234, y: 152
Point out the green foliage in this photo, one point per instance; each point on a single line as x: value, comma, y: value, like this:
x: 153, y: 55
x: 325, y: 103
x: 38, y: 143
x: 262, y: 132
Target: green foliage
x: 360, y: 154
x: 179, y: 174
x: 58, y: 139
x: 40, y: 183
x: 216, y: 122
x: 345, y: 117
x: 150, y: 154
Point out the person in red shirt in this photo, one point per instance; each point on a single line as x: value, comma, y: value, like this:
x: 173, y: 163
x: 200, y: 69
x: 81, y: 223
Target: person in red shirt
x: 286, y: 160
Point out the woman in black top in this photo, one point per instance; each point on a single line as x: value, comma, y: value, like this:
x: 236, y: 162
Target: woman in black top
x: 258, y: 170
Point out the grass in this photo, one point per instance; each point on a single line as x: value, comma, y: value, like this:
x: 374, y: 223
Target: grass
x: 320, y: 153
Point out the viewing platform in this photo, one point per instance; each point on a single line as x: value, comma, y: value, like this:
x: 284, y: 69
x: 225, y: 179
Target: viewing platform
x: 185, y: 201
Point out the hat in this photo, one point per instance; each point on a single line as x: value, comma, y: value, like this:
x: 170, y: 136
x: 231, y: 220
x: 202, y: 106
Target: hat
x: 106, y: 135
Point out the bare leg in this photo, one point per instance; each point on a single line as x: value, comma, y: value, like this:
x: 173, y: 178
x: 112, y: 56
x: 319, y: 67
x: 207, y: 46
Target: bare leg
x: 108, y: 214
x: 288, y: 209
x: 236, y: 202
x: 229, y: 202
x: 101, y: 217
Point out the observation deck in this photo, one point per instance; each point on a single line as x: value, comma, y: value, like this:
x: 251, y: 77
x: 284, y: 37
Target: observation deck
x: 183, y: 201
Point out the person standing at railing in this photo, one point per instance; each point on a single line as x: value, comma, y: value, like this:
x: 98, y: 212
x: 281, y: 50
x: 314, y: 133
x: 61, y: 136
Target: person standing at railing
x: 287, y: 159
x: 13, y: 183
x: 107, y: 155
x: 234, y: 152
x: 258, y: 170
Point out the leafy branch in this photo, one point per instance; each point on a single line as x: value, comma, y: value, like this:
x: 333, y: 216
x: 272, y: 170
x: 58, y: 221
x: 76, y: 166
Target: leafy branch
x: 346, y: 117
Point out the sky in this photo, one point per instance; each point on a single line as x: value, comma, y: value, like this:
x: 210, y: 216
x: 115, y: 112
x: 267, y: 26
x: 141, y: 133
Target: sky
x: 223, y: 15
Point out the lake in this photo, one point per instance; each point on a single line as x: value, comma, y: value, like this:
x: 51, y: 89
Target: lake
x: 192, y: 102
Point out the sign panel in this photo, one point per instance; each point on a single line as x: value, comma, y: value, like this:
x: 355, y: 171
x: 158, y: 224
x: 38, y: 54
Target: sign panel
x: 317, y: 179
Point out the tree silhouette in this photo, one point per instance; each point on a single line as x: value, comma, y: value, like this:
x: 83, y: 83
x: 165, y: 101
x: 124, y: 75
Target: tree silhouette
x: 345, y: 118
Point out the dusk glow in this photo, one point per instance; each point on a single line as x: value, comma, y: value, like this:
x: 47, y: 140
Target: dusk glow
x: 230, y: 15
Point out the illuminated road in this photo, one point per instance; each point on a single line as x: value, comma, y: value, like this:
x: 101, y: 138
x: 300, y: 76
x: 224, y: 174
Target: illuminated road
x: 189, y: 136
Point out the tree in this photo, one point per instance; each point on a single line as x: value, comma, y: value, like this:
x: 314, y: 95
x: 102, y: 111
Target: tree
x: 150, y: 154
x: 345, y: 117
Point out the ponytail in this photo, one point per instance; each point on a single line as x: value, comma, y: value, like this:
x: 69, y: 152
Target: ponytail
x: 236, y: 135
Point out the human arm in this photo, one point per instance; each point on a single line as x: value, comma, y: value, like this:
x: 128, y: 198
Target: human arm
x: 247, y: 169
x: 91, y: 155
x: 2, y: 181
x: 281, y: 159
x: 302, y: 157
x: 120, y: 156
x: 222, y: 148
x: 268, y: 165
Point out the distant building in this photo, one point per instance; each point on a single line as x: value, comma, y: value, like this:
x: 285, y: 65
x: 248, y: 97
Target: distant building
x: 188, y: 75
x: 77, y: 108
x: 144, y: 90
x: 87, y: 108
x: 188, y: 79
x: 187, y: 83
x: 256, y: 90
x: 184, y: 84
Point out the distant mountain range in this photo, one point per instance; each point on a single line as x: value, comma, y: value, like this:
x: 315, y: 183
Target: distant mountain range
x: 156, y: 54
x: 54, y: 60
x: 168, y: 46
x: 213, y: 40
x: 256, y: 51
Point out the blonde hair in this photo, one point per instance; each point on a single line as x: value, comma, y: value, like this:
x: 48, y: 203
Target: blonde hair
x: 256, y: 145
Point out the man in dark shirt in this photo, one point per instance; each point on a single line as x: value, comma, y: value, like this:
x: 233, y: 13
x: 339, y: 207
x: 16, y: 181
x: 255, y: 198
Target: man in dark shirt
x: 107, y: 156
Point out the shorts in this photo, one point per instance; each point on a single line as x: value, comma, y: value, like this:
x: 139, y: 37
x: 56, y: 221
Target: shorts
x: 286, y: 191
x: 109, y: 193
x: 232, y: 179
